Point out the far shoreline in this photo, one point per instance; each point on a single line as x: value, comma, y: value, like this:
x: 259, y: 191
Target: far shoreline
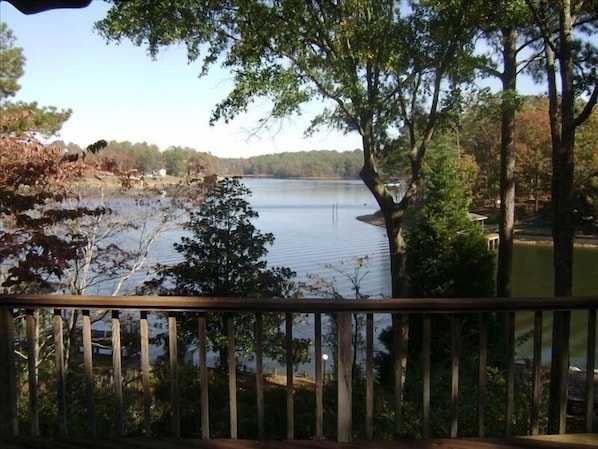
x: 522, y: 237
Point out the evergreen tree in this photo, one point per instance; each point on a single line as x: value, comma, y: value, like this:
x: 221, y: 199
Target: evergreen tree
x: 448, y: 254
x: 225, y: 257
x: 448, y: 258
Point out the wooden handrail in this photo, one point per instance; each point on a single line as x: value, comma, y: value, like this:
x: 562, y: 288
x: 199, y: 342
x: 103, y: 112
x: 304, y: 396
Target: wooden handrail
x: 303, y: 305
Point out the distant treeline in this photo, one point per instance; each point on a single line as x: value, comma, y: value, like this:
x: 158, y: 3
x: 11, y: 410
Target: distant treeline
x: 303, y: 164
x: 181, y: 161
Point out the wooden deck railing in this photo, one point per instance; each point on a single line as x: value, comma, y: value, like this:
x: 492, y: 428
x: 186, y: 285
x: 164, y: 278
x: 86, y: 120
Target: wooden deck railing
x: 397, y: 309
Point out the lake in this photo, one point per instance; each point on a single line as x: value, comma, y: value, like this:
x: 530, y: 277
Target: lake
x: 316, y: 232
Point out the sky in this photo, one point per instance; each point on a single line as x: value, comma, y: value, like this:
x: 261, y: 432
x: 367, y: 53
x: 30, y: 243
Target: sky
x: 117, y: 92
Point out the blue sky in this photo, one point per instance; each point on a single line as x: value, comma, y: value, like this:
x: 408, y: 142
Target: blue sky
x: 118, y: 93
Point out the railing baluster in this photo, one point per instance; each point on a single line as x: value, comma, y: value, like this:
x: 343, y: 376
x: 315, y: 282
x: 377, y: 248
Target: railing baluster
x: 369, y: 376
x: 203, y: 377
x: 9, y: 425
x: 145, y: 373
x: 510, y: 342
x: 289, y: 360
x: 590, y: 364
x: 174, y: 374
x: 455, y: 344
x: 482, y: 366
x: 559, y: 372
x: 344, y: 377
x: 259, y: 374
x: 60, y: 372
x: 88, y: 366
x: 399, y: 331
x: 32, y: 374
x: 117, y: 374
x: 536, y: 374
x: 426, y: 361
x: 232, y: 376
x: 319, y: 375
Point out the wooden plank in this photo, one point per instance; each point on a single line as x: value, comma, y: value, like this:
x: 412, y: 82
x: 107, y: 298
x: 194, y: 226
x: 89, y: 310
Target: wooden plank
x: 8, y: 385
x: 559, y: 372
x: 319, y: 376
x: 203, y: 377
x: 289, y: 367
x: 344, y: 378
x: 174, y: 375
x: 536, y: 374
x: 60, y: 372
x: 88, y: 369
x: 369, y: 376
x: 117, y: 374
x: 232, y: 376
x: 400, y: 333
x: 482, y: 366
x: 578, y: 441
x: 306, y: 305
x: 510, y: 360
x: 259, y: 375
x: 145, y: 373
x: 426, y: 375
x: 32, y: 371
x: 590, y: 365
x: 455, y: 352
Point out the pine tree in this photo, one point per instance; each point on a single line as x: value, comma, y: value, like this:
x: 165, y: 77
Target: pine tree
x: 225, y: 257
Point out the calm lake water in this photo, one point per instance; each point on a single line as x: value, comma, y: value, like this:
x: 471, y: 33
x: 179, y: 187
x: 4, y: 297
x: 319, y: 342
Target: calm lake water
x: 316, y: 231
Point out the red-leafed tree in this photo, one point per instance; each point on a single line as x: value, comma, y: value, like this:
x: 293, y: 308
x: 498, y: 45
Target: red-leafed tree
x: 533, y: 148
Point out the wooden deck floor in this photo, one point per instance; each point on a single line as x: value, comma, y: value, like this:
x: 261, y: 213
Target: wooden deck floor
x: 571, y: 441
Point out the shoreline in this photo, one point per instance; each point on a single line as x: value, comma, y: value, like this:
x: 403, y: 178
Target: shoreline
x: 522, y: 237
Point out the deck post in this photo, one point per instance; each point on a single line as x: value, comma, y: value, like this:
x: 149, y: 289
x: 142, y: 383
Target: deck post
x: 88, y: 364
x: 559, y: 372
x: 259, y: 375
x: 290, y: 390
x: 32, y: 337
x: 203, y: 377
x: 173, y: 353
x: 60, y: 372
x: 8, y: 385
x: 232, y: 376
x: 319, y: 376
x: 400, y: 330
x: 145, y: 373
x: 369, y: 376
x: 344, y: 378
x: 117, y: 374
x: 590, y: 365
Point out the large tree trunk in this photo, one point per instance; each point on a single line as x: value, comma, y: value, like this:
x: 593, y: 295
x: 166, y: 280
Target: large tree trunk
x: 563, y: 228
x: 393, y: 217
x: 507, y: 165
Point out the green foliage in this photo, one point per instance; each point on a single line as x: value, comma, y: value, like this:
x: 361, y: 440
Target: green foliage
x: 12, y: 62
x: 448, y: 254
x: 225, y: 257
x: 448, y: 257
x: 309, y: 164
x: 24, y: 117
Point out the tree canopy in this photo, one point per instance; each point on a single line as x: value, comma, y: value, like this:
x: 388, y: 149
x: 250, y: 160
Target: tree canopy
x: 376, y: 67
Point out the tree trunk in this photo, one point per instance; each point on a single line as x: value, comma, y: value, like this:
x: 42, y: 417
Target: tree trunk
x: 563, y: 228
x: 393, y: 217
x: 507, y: 165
